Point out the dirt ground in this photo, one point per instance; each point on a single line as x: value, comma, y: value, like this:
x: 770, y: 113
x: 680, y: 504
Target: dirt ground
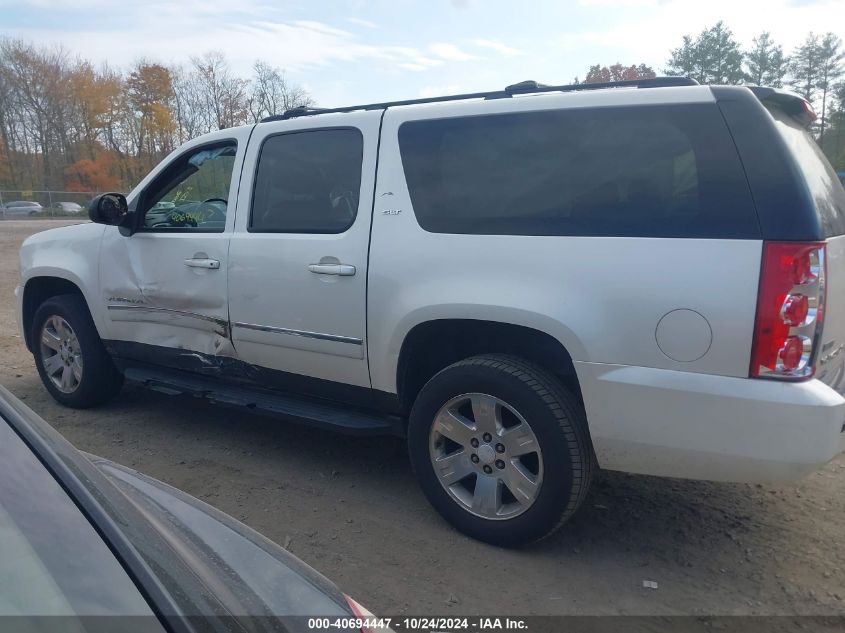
x: 351, y: 508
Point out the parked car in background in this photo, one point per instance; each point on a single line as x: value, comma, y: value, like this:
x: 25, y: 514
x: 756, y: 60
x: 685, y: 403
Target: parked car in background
x: 68, y: 207
x: 83, y: 536
x: 528, y: 284
x: 19, y: 208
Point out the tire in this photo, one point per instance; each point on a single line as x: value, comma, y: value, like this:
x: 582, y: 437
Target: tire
x: 525, y: 494
x: 83, y: 375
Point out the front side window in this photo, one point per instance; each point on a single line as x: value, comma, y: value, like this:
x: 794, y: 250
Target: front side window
x: 308, y: 182
x: 192, y: 194
x: 668, y: 171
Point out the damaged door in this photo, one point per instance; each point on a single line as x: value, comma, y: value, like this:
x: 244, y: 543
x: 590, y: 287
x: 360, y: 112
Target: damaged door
x: 298, y: 266
x: 164, y: 288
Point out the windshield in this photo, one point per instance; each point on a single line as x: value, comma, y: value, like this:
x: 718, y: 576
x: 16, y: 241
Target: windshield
x: 52, y: 562
x: 822, y: 182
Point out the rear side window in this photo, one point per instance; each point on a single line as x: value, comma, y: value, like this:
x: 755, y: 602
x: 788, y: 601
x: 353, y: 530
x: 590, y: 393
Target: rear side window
x: 822, y: 182
x: 308, y: 182
x: 665, y: 171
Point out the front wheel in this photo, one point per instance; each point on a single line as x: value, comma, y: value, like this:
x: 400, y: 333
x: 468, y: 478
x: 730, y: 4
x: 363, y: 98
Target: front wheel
x: 71, y: 359
x: 501, y: 449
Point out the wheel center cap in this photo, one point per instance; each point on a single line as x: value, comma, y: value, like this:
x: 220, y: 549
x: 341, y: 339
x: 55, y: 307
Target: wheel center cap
x: 486, y: 454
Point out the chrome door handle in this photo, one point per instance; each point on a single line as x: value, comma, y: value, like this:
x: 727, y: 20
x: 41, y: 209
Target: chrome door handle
x: 344, y: 270
x: 198, y: 262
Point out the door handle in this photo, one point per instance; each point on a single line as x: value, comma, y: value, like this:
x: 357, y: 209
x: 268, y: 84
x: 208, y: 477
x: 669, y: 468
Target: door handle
x: 344, y: 270
x: 203, y: 262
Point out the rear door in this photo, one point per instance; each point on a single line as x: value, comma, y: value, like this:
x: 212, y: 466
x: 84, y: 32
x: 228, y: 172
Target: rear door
x: 298, y: 256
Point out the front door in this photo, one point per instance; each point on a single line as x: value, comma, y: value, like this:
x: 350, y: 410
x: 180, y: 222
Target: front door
x: 164, y: 287
x: 298, y: 256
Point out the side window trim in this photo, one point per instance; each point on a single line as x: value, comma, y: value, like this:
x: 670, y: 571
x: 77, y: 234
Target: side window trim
x: 253, y: 186
x: 141, y: 200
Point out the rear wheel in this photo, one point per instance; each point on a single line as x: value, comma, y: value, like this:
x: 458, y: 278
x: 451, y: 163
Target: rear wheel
x: 501, y: 449
x: 69, y: 355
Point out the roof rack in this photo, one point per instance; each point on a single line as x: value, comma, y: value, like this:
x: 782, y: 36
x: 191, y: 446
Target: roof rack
x: 523, y: 87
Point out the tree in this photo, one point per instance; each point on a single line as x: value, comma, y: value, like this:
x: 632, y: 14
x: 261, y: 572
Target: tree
x: 618, y: 72
x: 805, y: 66
x: 765, y: 64
x: 714, y: 57
x: 149, y: 88
x: 222, y: 94
x: 66, y: 124
x: 833, y: 142
x: 830, y: 70
x: 271, y: 93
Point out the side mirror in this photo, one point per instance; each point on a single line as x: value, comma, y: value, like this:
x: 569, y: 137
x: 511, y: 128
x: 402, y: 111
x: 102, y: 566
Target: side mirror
x: 108, y: 208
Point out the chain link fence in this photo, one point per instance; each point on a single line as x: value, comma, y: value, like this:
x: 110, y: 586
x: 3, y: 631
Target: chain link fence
x: 24, y: 205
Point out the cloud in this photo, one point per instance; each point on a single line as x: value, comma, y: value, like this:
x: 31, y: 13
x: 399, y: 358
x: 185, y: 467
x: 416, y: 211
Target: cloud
x: 296, y: 45
x: 365, y: 23
x: 618, y: 3
x: 651, y: 38
x: 450, y: 52
x: 499, y: 47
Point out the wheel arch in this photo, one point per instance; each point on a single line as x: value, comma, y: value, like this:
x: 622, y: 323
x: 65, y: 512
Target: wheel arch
x: 38, y: 289
x: 433, y: 345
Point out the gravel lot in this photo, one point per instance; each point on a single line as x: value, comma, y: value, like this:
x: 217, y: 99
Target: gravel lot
x: 351, y: 508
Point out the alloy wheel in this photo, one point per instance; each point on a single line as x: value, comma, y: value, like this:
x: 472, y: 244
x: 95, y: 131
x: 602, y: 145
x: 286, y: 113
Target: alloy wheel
x: 486, y: 456
x: 61, y: 354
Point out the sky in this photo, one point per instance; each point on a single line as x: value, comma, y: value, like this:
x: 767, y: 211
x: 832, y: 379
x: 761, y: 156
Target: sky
x: 357, y: 51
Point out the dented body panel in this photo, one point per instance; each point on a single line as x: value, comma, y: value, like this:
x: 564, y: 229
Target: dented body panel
x: 147, y: 291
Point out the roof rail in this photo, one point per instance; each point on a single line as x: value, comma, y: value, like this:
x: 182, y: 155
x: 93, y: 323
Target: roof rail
x: 523, y: 87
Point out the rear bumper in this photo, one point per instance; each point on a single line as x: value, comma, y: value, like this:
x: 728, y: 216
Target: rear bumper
x: 699, y: 426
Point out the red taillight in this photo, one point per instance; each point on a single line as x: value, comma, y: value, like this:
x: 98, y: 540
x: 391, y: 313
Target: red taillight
x: 371, y: 623
x: 795, y: 309
x: 790, y: 305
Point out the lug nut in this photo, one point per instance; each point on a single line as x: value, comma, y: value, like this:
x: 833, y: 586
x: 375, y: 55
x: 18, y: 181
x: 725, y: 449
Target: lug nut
x: 500, y: 464
x: 487, y: 437
x: 488, y: 470
x: 474, y: 442
x: 500, y: 448
x: 474, y: 458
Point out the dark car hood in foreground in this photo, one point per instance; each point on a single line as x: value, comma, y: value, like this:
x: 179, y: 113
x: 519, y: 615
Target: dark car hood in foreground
x: 187, y: 557
x: 247, y: 573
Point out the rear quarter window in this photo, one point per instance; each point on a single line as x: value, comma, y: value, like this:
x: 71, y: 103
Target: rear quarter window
x: 823, y: 184
x: 666, y: 171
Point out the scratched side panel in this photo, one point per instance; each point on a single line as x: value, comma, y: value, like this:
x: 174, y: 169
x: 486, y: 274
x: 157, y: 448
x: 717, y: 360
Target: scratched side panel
x: 150, y: 296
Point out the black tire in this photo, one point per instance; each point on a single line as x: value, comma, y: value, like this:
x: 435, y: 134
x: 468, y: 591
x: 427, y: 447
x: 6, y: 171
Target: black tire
x: 100, y: 380
x: 557, y: 419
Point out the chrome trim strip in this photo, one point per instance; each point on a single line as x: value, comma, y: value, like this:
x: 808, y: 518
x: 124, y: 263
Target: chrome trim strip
x: 184, y: 313
x: 317, y: 335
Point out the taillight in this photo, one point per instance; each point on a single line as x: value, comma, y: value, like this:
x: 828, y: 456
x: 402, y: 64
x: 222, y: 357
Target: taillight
x: 790, y: 310
x: 369, y: 622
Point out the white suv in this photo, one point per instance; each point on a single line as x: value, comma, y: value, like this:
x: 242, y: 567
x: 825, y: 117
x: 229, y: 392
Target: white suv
x: 528, y: 284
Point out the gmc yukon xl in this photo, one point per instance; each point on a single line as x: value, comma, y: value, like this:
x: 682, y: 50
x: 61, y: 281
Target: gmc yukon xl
x: 528, y: 284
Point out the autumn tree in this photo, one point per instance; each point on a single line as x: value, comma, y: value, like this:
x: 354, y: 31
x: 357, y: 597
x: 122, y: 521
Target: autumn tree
x: 714, y: 57
x: 618, y: 72
x: 765, y: 64
x: 149, y: 88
